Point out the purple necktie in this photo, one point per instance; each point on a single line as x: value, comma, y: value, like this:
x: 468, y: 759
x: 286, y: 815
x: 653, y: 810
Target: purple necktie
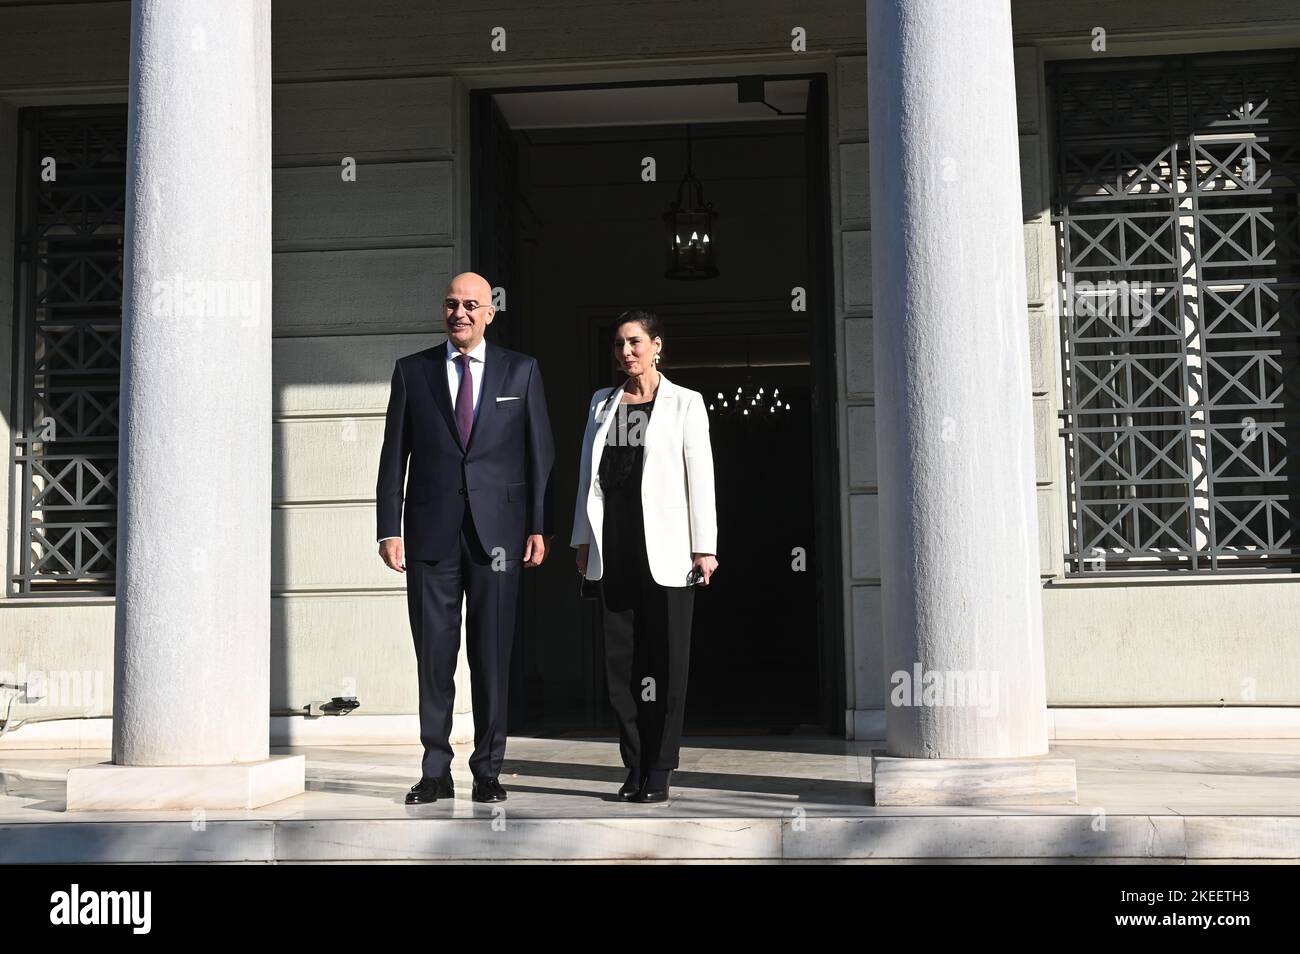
x: 465, y: 400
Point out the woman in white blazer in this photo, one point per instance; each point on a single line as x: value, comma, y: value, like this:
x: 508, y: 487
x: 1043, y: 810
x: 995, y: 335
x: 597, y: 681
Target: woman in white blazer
x: 645, y: 527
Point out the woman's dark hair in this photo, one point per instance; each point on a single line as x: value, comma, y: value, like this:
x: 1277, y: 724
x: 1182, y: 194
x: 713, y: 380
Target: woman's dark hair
x: 646, y: 318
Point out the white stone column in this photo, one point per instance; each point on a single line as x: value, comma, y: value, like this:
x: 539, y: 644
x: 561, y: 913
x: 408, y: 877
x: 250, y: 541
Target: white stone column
x: 963, y: 643
x: 191, y: 701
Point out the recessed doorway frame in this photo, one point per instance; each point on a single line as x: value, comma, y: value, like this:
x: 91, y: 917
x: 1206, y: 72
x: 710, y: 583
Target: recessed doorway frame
x: 474, y: 97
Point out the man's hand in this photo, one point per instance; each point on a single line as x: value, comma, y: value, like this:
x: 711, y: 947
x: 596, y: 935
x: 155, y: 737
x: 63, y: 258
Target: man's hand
x: 535, y: 549
x: 390, y: 551
x: 581, y: 557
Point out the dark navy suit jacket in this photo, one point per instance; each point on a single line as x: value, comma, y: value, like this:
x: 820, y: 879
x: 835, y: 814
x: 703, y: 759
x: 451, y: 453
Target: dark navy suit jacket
x: 505, y: 471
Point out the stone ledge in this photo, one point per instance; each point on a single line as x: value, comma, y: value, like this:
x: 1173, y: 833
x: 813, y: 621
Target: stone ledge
x: 354, y: 729
x: 1039, y: 780
x: 1001, y: 836
x: 1134, y: 723
x: 109, y: 787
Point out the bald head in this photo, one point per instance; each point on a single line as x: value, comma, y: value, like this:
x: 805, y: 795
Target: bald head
x: 470, y: 285
x: 467, y: 310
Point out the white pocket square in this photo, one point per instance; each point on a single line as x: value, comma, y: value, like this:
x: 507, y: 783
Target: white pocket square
x: 516, y: 398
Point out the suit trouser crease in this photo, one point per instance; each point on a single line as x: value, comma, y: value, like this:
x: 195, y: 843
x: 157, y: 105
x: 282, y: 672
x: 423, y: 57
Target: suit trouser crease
x: 434, y: 593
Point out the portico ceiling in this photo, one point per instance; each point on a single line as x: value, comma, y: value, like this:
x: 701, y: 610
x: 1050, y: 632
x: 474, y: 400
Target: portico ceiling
x: 649, y: 105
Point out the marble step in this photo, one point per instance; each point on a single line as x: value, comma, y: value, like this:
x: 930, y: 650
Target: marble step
x: 493, y: 834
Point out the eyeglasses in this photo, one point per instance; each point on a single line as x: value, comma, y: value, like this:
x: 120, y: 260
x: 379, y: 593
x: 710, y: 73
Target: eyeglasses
x: 470, y: 306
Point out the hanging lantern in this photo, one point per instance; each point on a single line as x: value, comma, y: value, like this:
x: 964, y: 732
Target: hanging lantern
x: 690, y: 228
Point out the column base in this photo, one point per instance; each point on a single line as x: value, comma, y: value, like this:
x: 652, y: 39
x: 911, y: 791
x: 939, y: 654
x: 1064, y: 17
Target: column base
x: 1039, y: 780
x: 109, y: 787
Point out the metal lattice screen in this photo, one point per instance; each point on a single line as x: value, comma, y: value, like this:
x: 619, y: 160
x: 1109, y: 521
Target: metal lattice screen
x: 68, y: 336
x: 1179, y: 244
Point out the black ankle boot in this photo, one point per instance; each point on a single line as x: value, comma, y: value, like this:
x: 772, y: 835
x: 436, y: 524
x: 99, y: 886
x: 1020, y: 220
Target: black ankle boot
x: 631, y: 788
x: 656, y: 786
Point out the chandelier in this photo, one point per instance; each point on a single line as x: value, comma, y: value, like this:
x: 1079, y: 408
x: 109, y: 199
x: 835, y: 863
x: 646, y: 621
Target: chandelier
x: 749, y: 403
x: 690, y: 228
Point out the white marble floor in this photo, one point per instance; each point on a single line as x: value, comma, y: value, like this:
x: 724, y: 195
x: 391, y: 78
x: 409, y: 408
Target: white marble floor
x: 783, y: 799
x: 721, y: 777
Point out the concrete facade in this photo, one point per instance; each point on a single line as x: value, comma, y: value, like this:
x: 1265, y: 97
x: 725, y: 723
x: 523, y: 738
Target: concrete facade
x: 355, y: 269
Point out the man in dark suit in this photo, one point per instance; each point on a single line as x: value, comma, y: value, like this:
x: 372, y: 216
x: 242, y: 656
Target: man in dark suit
x: 468, y: 433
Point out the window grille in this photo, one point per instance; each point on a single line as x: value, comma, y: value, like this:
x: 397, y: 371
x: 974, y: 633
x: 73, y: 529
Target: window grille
x: 67, y: 348
x: 1178, y: 240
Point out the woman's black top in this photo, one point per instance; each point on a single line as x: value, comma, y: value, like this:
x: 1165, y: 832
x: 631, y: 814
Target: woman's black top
x: 623, y: 550
x: 621, y: 460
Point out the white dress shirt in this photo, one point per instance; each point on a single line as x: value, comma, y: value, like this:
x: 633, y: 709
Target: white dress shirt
x: 477, y: 357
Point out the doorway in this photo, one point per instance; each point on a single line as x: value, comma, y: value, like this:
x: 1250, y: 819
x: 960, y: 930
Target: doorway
x: 566, y: 221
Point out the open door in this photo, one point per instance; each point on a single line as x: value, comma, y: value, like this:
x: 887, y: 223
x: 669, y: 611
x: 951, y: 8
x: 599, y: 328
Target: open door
x: 825, y: 562
x: 494, y: 254
x: 494, y: 250
x: 769, y: 652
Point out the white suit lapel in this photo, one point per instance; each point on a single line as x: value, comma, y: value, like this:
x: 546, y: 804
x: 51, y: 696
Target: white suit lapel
x: 667, y: 392
x: 608, y: 407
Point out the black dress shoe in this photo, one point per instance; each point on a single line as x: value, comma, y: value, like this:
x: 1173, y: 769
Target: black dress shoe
x: 488, y: 790
x: 655, y: 788
x: 430, y: 789
x: 631, y: 788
